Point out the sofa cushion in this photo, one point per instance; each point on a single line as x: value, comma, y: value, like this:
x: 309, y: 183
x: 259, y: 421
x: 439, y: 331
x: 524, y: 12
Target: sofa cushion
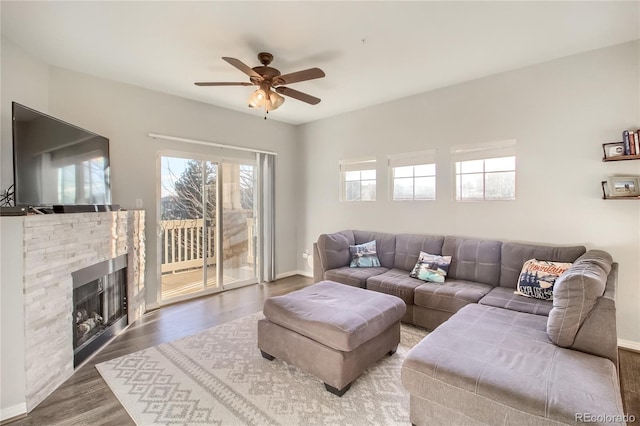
x: 537, y: 278
x: 334, y: 249
x: 364, y: 255
x: 451, y: 295
x: 409, y: 246
x: 473, y: 260
x: 502, y: 297
x: 575, y: 294
x: 356, y: 277
x: 501, y: 363
x: 515, y: 254
x: 385, y: 245
x: 395, y: 282
x: 431, y: 267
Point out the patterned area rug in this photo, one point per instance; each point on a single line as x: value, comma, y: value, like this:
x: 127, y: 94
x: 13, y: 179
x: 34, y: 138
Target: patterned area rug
x: 218, y: 377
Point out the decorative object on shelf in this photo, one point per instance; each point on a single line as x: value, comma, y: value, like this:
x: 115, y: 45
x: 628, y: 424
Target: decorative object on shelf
x: 625, y: 141
x: 631, y: 141
x: 613, y: 149
x: 621, y: 187
x: 627, y: 149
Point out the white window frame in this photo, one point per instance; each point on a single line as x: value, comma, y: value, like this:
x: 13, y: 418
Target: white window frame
x: 411, y: 159
x: 362, y: 165
x: 482, y: 151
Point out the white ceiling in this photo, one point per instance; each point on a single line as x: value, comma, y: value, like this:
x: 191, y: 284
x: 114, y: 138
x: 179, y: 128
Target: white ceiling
x: 371, y: 52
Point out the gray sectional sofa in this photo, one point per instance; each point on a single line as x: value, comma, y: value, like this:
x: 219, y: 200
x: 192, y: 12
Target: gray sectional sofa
x: 495, y: 357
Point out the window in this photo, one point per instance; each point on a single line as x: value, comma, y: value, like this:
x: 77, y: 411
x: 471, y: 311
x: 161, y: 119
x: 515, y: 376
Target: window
x: 485, y: 172
x: 413, y: 176
x: 358, y: 180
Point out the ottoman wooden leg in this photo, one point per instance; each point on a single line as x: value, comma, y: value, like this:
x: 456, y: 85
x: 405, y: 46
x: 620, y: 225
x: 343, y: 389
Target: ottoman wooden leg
x: 267, y: 356
x: 337, y: 392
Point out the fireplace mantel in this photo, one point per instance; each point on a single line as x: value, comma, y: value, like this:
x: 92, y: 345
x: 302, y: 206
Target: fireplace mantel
x: 51, y: 248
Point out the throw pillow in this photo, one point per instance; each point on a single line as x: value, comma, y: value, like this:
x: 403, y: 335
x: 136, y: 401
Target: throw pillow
x: 364, y: 255
x: 538, y: 276
x: 431, y: 267
x: 575, y: 295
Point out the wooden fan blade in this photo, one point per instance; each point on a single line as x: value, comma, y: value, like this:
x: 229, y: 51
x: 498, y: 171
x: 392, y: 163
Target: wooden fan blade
x: 242, y: 67
x: 298, y: 95
x: 294, y: 77
x: 223, y: 84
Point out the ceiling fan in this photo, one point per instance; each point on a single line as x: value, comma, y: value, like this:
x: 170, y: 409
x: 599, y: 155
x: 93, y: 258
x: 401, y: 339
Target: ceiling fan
x: 271, y: 82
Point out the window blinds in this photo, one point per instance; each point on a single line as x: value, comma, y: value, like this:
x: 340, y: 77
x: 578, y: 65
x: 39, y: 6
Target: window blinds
x: 412, y: 158
x: 480, y: 151
x: 357, y: 165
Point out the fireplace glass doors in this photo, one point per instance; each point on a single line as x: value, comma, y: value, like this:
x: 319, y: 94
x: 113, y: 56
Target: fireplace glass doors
x: 99, y: 305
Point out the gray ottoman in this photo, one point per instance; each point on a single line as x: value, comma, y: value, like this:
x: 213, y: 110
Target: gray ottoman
x: 333, y: 331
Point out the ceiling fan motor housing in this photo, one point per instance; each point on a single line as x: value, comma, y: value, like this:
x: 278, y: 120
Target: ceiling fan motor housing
x: 267, y: 72
x: 265, y: 58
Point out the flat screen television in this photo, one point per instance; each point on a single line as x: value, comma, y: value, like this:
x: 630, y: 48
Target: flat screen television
x: 57, y: 163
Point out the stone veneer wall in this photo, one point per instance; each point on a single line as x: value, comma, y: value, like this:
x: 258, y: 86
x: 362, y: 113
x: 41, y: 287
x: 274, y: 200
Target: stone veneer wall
x: 54, y: 247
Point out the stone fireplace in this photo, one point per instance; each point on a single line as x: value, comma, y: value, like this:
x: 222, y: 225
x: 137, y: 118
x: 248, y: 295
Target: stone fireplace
x: 55, y: 251
x: 99, y: 306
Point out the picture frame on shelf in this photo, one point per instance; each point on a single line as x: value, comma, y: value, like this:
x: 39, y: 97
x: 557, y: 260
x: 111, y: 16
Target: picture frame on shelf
x: 613, y: 149
x: 623, y: 186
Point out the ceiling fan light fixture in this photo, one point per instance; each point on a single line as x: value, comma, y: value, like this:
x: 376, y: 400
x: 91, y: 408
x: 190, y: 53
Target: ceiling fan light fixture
x: 276, y: 100
x: 257, y: 99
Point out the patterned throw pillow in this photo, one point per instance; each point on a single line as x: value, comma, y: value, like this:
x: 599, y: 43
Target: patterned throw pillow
x: 538, y: 277
x: 364, y: 255
x: 431, y: 267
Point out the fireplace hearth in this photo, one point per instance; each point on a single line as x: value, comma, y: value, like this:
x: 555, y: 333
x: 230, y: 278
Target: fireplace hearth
x: 100, y: 306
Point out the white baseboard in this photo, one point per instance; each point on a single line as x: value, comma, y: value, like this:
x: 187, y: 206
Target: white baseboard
x: 151, y: 306
x: 292, y: 273
x: 629, y: 344
x: 13, y: 411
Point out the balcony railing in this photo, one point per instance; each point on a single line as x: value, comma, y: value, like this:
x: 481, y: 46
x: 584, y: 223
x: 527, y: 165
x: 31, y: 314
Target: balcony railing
x: 182, y: 244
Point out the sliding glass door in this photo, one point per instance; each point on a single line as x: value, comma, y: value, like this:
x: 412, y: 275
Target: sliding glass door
x: 206, y: 225
x: 238, y: 224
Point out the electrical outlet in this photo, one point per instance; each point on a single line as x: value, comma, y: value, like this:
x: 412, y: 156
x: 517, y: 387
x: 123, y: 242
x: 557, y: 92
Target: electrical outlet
x: 138, y: 203
x: 305, y: 254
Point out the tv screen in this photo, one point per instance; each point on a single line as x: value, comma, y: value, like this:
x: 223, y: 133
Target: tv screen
x: 57, y: 163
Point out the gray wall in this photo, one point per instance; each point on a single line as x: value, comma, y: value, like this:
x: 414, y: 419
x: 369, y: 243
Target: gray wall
x: 560, y: 112
x: 126, y: 114
x: 24, y: 80
x: 12, y: 341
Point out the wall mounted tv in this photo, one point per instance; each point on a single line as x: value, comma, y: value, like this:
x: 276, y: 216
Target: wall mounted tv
x: 57, y: 163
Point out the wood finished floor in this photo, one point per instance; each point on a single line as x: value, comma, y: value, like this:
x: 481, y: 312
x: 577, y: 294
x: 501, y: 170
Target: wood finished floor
x: 85, y: 399
x: 630, y: 382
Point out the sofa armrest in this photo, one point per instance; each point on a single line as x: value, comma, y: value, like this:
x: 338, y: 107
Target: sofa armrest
x: 333, y: 250
x: 598, y: 335
x: 318, y: 270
